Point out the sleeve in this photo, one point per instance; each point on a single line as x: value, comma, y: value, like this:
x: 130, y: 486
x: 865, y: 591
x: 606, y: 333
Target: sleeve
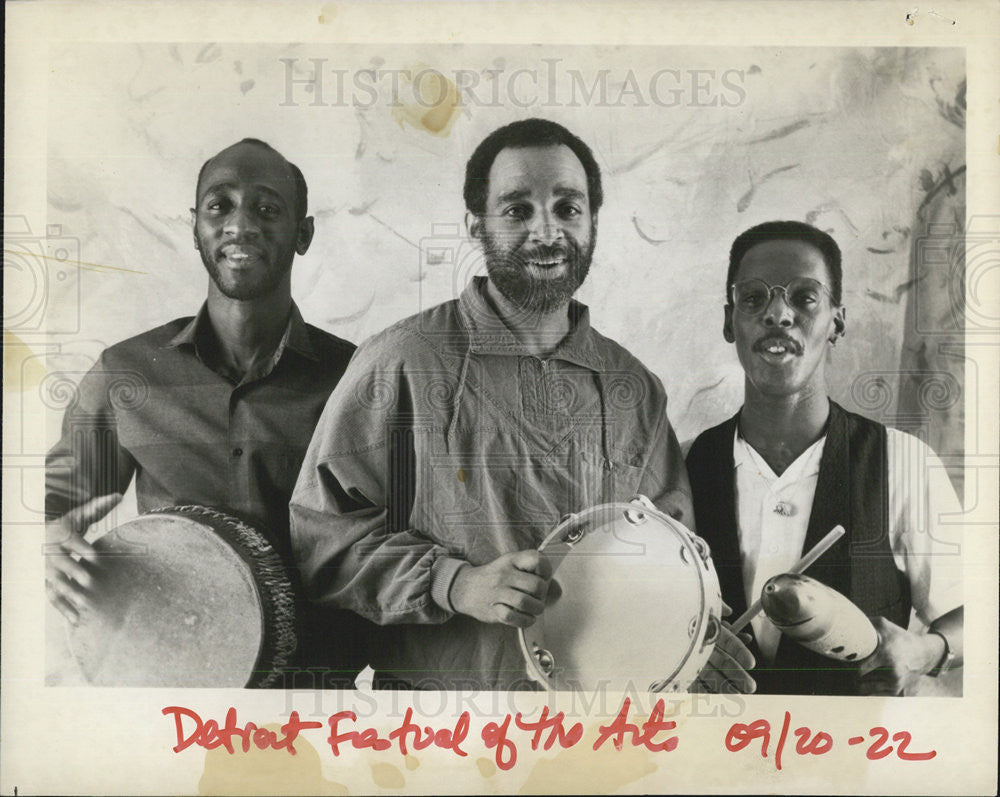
x: 665, y: 480
x: 88, y: 461
x: 345, y: 511
x: 926, y: 518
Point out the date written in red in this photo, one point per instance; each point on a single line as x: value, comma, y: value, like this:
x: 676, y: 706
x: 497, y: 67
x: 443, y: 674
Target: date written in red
x: 808, y: 742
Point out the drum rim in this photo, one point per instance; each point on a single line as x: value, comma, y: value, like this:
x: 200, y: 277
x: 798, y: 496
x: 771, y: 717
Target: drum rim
x: 642, y: 505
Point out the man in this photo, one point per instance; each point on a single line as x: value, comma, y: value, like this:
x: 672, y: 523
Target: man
x: 459, y: 437
x: 792, y: 464
x: 228, y: 399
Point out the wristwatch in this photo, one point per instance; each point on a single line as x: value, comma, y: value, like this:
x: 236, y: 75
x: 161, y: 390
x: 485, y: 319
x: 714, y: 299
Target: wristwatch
x: 947, y: 660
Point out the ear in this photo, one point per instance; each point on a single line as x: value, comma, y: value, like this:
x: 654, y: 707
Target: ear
x: 304, y: 235
x: 474, y: 225
x: 839, y: 324
x: 727, y: 325
x: 194, y: 227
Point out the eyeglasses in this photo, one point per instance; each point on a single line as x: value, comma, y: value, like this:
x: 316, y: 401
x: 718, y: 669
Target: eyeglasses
x: 802, y: 294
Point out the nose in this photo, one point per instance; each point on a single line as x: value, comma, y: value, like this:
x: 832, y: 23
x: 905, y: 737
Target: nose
x: 545, y: 227
x: 241, y: 222
x: 778, y: 313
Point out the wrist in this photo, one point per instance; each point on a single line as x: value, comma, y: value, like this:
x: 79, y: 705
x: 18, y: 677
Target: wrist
x: 444, y: 574
x: 942, y: 658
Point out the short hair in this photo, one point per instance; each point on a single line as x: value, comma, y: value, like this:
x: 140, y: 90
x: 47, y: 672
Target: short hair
x: 788, y: 231
x: 516, y: 135
x: 301, y: 190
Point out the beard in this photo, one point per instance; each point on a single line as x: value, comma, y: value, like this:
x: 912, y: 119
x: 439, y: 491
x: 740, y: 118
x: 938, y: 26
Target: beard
x: 242, y: 287
x: 509, y: 272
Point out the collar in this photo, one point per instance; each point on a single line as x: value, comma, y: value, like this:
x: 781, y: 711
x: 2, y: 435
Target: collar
x: 805, y: 465
x: 488, y: 334
x: 296, y: 335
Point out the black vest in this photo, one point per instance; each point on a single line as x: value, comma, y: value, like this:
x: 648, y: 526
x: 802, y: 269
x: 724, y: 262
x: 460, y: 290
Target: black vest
x: 852, y: 490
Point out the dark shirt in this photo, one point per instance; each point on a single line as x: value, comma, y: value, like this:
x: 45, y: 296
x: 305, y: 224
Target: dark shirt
x: 160, y: 407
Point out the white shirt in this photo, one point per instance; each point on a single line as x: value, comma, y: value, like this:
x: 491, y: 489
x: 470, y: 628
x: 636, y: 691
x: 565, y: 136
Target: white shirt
x: 773, y: 514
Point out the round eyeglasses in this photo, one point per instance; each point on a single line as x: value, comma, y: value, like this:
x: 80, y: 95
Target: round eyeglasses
x: 802, y: 294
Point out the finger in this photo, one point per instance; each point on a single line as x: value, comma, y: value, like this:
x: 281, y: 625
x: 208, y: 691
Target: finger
x: 508, y: 615
x: 734, y: 647
x: 75, y: 543
x: 532, y: 561
x: 528, y: 583
x: 521, y: 602
x: 871, y: 663
x: 722, y: 668
x: 709, y: 681
x: 65, y: 608
x: 70, y: 591
x: 554, y: 593
x: 726, y: 609
x: 93, y: 510
x: 71, y: 570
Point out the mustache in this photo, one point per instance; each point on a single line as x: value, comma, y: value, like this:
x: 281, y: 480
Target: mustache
x: 787, y: 341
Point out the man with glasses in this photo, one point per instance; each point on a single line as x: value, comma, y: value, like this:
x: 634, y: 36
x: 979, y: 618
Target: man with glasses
x: 773, y: 480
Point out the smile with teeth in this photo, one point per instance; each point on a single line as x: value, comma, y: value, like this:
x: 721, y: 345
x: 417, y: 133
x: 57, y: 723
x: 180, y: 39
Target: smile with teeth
x: 239, y: 256
x: 547, y: 263
x: 777, y: 347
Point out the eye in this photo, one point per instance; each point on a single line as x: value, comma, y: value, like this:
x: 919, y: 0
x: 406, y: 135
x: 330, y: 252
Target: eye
x: 569, y: 211
x: 751, y: 297
x: 215, y: 204
x: 269, y: 210
x: 517, y: 212
x: 805, y: 297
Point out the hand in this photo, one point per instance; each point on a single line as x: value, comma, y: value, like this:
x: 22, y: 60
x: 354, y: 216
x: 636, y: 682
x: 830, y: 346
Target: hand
x: 901, y: 657
x: 513, y: 589
x: 70, y: 560
x: 727, y: 668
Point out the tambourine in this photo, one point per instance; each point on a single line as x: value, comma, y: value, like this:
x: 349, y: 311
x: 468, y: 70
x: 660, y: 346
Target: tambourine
x: 188, y: 597
x: 640, y: 607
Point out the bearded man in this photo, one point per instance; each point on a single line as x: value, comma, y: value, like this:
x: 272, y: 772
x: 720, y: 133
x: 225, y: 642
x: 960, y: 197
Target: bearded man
x: 459, y: 437
x: 232, y: 396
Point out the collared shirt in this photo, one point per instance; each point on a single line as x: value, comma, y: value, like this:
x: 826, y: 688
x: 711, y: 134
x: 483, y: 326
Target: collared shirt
x: 160, y: 406
x: 773, y: 515
x: 448, y: 442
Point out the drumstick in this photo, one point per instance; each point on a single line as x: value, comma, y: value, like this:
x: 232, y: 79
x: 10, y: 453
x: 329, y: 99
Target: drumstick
x: 806, y: 561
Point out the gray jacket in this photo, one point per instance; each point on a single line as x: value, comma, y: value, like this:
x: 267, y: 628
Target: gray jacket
x: 446, y: 442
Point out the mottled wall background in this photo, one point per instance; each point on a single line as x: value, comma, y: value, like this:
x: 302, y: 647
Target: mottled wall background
x: 696, y: 145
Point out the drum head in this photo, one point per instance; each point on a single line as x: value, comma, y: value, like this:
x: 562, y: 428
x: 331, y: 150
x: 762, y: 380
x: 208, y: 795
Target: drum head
x: 640, y: 604
x: 188, y: 597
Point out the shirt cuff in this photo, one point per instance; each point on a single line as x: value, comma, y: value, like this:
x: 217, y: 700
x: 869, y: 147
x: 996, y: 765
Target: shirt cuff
x: 443, y: 573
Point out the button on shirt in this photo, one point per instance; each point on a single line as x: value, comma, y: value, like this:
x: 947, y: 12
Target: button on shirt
x: 773, y: 517
x: 160, y: 406
x: 447, y: 442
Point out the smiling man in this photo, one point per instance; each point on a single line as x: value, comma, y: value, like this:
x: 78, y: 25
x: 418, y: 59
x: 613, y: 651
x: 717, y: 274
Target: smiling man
x: 231, y: 396
x: 461, y: 436
x: 769, y: 483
